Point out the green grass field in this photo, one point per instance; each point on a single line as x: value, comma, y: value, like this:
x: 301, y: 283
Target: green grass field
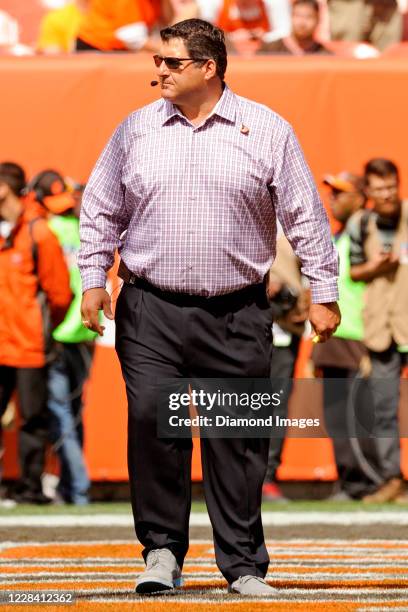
x: 198, y: 506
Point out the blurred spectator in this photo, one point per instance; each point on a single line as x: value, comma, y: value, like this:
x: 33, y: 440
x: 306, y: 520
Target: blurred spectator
x: 341, y: 357
x: 173, y: 11
x: 59, y: 28
x: 34, y: 298
x: 378, y: 22
x: 69, y: 371
x: 302, y: 40
x: 383, y: 25
x: 8, y: 30
x: 347, y: 18
x: 291, y: 303
x: 248, y: 20
x: 379, y: 257
x: 119, y: 26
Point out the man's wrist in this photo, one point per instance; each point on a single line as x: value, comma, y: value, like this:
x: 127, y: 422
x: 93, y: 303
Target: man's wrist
x: 327, y: 304
x: 91, y: 289
x: 94, y: 278
x: 324, y: 292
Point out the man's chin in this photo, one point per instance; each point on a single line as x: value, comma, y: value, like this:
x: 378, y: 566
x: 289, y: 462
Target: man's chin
x: 166, y: 91
x: 168, y: 94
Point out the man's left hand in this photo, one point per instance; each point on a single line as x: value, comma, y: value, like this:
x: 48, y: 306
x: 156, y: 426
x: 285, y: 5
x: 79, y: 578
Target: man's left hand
x: 324, y: 318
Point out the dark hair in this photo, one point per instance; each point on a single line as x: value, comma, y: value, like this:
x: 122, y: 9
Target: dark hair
x: 202, y: 39
x: 312, y: 3
x: 14, y: 176
x: 44, y: 181
x: 380, y: 167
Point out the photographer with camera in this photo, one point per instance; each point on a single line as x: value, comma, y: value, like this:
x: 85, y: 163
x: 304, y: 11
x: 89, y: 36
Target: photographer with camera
x: 379, y: 258
x: 290, y: 301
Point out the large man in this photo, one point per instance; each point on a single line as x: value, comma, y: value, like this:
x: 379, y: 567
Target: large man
x: 196, y: 180
x: 378, y: 255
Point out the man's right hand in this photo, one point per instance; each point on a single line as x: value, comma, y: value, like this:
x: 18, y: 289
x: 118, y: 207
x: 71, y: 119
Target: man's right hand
x: 384, y: 263
x: 94, y: 300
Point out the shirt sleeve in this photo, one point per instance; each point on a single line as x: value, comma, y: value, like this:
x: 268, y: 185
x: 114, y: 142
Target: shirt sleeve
x: 103, y: 214
x: 353, y: 229
x: 302, y: 216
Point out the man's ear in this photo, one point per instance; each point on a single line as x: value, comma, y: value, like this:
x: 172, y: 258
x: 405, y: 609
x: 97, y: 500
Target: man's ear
x: 210, y: 69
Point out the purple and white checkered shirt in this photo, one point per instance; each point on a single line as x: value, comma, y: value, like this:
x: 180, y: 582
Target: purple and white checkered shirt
x: 193, y: 209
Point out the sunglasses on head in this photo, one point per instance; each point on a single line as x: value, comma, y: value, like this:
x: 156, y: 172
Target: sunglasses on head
x: 175, y: 62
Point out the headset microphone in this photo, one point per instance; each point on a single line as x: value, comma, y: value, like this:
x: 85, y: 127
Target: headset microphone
x: 154, y: 83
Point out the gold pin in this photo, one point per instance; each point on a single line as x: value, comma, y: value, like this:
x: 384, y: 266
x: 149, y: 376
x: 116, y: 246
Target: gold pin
x: 316, y: 339
x: 244, y: 129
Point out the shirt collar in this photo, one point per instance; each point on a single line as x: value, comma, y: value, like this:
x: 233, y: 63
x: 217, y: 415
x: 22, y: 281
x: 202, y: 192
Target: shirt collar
x: 226, y: 108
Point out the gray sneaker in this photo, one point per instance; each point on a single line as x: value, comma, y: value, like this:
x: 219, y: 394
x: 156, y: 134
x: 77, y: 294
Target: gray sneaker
x: 162, y: 572
x: 251, y: 585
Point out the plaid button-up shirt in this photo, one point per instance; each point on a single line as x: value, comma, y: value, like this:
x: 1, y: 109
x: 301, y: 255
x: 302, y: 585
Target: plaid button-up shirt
x: 193, y: 209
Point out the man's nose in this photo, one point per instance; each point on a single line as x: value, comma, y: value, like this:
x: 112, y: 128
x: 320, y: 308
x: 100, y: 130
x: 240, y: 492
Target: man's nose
x: 162, y: 70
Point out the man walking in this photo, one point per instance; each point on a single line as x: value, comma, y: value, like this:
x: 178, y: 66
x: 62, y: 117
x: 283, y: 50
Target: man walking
x: 196, y: 181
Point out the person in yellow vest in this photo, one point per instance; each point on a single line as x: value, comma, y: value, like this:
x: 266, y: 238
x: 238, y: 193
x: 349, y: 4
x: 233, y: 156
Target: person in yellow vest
x: 379, y: 257
x: 59, y: 28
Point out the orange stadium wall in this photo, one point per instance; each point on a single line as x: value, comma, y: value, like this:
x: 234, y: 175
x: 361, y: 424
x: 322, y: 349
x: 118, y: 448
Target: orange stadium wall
x: 59, y: 112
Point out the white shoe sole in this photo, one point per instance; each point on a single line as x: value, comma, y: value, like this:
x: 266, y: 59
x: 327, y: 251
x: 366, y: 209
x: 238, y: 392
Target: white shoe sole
x: 156, y: 585
x: 258, y: 594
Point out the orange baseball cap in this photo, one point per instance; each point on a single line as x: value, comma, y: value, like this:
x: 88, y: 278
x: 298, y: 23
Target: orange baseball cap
x: 49, y: 188
x: 344, y: 181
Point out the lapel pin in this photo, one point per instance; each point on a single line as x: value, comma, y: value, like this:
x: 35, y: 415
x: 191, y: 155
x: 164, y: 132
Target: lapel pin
x: 244, y: 129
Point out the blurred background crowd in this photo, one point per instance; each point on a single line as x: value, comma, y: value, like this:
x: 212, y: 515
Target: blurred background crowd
x: 358, y: 28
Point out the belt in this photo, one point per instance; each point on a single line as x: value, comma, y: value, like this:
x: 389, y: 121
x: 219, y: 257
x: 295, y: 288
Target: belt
x: 234, y: 300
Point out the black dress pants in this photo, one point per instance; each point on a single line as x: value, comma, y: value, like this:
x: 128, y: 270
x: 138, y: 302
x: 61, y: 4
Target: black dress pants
x: 31, y: 387
x: 161, y: 335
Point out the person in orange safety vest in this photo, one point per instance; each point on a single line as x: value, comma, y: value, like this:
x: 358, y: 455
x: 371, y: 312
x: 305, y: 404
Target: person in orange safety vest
x: 34, y: 297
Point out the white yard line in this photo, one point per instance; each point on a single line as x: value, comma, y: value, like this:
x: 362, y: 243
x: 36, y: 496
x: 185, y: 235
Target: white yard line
x: 200, y: 519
